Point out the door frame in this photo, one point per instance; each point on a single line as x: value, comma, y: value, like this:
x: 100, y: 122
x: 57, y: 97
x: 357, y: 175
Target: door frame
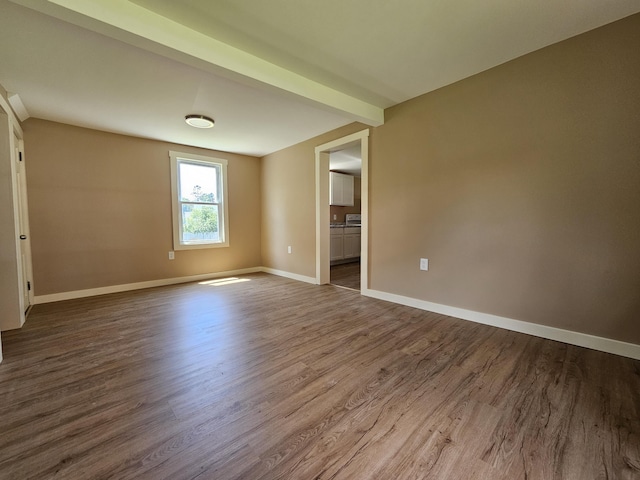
x: 322, y: 153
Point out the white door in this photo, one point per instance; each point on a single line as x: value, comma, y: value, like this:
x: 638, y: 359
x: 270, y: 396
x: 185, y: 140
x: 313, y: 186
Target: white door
x: 23, y: 221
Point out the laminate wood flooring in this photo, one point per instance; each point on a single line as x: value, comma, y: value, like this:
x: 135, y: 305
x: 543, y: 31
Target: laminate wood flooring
x: 346, y: 275
x: 267, y: 378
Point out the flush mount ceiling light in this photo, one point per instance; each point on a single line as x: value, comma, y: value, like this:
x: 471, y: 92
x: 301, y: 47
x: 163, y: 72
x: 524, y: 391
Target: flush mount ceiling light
x: 199, y: 121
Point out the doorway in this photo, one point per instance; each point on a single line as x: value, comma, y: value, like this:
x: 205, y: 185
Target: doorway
x: 345, y: 203
x: 324, y: 217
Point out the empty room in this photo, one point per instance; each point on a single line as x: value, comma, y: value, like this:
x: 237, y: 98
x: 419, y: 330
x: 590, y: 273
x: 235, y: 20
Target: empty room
x: 319, y: 240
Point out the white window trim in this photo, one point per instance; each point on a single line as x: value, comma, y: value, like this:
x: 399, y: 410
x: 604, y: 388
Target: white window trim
x: 175, y: 204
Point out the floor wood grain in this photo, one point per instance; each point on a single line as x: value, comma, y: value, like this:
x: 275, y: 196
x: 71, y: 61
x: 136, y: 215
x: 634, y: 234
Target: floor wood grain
x: 346, y: 275
x: 262, y: 377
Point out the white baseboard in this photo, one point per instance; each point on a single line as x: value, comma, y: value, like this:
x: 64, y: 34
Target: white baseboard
x: 91, y: 292
x: 566, y: 336
x: 293, y: 276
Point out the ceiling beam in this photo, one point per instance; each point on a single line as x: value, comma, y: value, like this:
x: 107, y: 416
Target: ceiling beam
x: 131, y: 19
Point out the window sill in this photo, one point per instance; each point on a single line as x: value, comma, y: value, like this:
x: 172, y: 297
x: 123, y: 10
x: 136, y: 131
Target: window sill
x: 200, y: 246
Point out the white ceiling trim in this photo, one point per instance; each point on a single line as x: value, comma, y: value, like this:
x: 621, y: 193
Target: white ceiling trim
x: 13, y: 121
x: 18, y: 107
x: 139, y: 21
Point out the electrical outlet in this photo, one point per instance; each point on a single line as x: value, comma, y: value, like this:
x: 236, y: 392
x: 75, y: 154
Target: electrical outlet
x: 172, y: 255
x: 424, y: 264
x: 335, y: 217
x: 289, y: 249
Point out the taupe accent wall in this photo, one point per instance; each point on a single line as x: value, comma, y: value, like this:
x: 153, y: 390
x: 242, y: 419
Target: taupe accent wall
x: 289, y: 204
x: 100, y: 210
x: 10, y: 314
x: 522, y: 187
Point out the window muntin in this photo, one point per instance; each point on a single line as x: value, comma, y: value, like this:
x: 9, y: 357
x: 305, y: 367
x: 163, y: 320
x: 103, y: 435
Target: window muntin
x: 198, y: 187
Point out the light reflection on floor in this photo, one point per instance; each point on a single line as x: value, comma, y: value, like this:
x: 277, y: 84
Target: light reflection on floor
x: 205, y: 329
x: 218, y: 282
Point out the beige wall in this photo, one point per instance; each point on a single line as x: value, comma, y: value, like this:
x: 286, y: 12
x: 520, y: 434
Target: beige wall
x: 8, y: 280
x: 9, y: 291
x: 340, y: 212
x: 9, y: 297
x: 289, y: 204
x: 100, y: 210
x: 522, y: 187
x: 11, y: 311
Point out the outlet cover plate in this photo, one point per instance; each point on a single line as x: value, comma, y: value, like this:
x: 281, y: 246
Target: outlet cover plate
x: 424, y: 264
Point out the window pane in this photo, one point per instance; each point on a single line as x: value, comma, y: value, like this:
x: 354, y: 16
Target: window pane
x: 200, y: 223
x: 198, y: 183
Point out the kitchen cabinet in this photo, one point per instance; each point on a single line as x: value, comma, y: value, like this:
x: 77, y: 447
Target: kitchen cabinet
x: 337, y: 244
x: 351, y: 242
x: 344, y: 244
x: 340, y: 189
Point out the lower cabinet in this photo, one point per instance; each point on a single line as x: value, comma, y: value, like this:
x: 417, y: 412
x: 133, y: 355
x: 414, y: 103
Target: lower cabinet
x: 351, y: 245
x: 345, y: 243
x: 337, y: 244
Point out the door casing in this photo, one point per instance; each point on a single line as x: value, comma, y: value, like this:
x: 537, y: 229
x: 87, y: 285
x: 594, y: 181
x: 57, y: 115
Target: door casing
x: 322, y: 153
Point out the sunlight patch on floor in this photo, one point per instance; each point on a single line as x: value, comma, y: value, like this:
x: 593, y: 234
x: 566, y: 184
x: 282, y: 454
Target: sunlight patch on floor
x: 218, y: 282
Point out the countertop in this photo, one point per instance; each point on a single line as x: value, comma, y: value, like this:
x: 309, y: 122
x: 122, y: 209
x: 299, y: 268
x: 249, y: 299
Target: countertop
x: 341, y: 225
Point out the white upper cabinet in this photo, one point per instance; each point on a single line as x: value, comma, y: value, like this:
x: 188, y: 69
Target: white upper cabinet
x: 340, y: 189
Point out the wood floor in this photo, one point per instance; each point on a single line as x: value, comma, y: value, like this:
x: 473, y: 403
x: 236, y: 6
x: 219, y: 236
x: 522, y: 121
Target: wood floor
x: 346, y: 275
x: 268, y: 378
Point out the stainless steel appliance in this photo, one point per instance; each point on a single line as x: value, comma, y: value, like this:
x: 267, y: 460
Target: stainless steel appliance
x: 353, y: 220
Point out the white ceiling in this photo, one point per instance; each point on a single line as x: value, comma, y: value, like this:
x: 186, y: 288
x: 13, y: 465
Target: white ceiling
x: 347, y: 160
x: 272, y: 73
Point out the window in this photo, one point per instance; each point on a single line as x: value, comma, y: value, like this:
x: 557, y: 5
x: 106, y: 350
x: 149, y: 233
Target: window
x: 199, y: 201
